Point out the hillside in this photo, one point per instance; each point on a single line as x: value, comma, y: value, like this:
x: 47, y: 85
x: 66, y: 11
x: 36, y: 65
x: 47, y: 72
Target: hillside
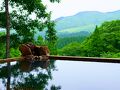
x: 104, y: 42
x: 84, y: 21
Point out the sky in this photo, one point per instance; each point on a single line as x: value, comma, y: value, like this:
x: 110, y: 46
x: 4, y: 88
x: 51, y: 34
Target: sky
x: 71, y: 7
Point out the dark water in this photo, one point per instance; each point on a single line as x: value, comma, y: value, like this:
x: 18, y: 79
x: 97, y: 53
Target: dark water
x: 60, y: 75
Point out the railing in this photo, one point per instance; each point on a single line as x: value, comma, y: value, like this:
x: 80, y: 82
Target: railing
x: 65, y: 58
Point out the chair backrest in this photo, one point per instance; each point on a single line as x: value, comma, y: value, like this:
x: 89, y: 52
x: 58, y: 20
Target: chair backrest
x: 25, y: 50
x: 30, y: 49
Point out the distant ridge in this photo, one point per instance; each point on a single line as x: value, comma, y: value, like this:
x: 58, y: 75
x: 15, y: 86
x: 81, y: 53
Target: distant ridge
x: 59, y: 18
x: 118, y: 11
x: 84, y: 21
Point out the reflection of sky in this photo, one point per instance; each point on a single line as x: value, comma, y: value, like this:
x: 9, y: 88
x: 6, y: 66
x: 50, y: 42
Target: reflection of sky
x: 1, y: 86
x: 87, y: 76
x: 83, y: 76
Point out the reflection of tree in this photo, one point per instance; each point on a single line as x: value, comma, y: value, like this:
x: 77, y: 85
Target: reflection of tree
x: 33, y: 82
x: 53, y: 87
x: 33, y: 78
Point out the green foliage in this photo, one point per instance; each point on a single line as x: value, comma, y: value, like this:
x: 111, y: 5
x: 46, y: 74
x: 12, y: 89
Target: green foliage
x: 2, y: 34
x: 104, y: 42
x: 40, y: 41
x: 50, y: 36
x: 111, y: 55
x: 22, y: 20
x: 67, y: 34
x: 71, y: 49
x: 104, y: 39
x: 53, y: 48
x: 2, y: 20
x: 67, y: 40
x: 28, y: 17
x: 14, y: 52
x: 51, y: 32
x: 2, y: 50
x: 2, y: 45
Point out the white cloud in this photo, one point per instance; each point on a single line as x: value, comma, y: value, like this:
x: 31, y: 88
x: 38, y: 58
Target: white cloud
x: 70, y: 7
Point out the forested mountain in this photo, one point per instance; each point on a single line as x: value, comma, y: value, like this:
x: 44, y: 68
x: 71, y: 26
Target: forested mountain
x: 104, y: 42
x: 84, y: 21
x: 62, y: 42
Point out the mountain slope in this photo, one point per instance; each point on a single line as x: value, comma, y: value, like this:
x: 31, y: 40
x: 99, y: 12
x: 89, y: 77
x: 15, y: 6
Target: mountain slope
x: 103, y: 42
x: 87, y: 19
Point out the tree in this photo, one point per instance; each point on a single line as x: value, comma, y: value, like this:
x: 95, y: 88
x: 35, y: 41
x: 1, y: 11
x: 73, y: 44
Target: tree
x: 51, y: 32
x: 23, y: 77
x: 5, y: 23
x: 104, y: 42
x: 50, y: 36
x: 22, y: 21
x: 7, y: 30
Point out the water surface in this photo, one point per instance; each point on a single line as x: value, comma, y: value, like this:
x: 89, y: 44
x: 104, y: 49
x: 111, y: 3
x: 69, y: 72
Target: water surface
x: 61, y: 75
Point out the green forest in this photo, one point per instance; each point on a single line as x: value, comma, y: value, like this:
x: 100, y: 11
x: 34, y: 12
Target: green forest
x: 22, y: 22
x: 104, y: 41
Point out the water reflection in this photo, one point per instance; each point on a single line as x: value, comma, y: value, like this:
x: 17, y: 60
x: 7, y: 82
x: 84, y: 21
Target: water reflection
x: 70, y: 75
x: 28, y: 75
x: 8, y: 76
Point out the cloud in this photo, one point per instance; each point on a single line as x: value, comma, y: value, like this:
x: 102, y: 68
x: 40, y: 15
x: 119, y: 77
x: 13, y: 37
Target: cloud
x: 70, y: 7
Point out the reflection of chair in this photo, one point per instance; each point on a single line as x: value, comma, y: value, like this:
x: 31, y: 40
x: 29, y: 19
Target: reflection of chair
x: 42, y: 64
x: 27, y: 66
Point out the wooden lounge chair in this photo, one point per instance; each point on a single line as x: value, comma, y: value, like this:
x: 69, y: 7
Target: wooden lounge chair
x: 25, y: 50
